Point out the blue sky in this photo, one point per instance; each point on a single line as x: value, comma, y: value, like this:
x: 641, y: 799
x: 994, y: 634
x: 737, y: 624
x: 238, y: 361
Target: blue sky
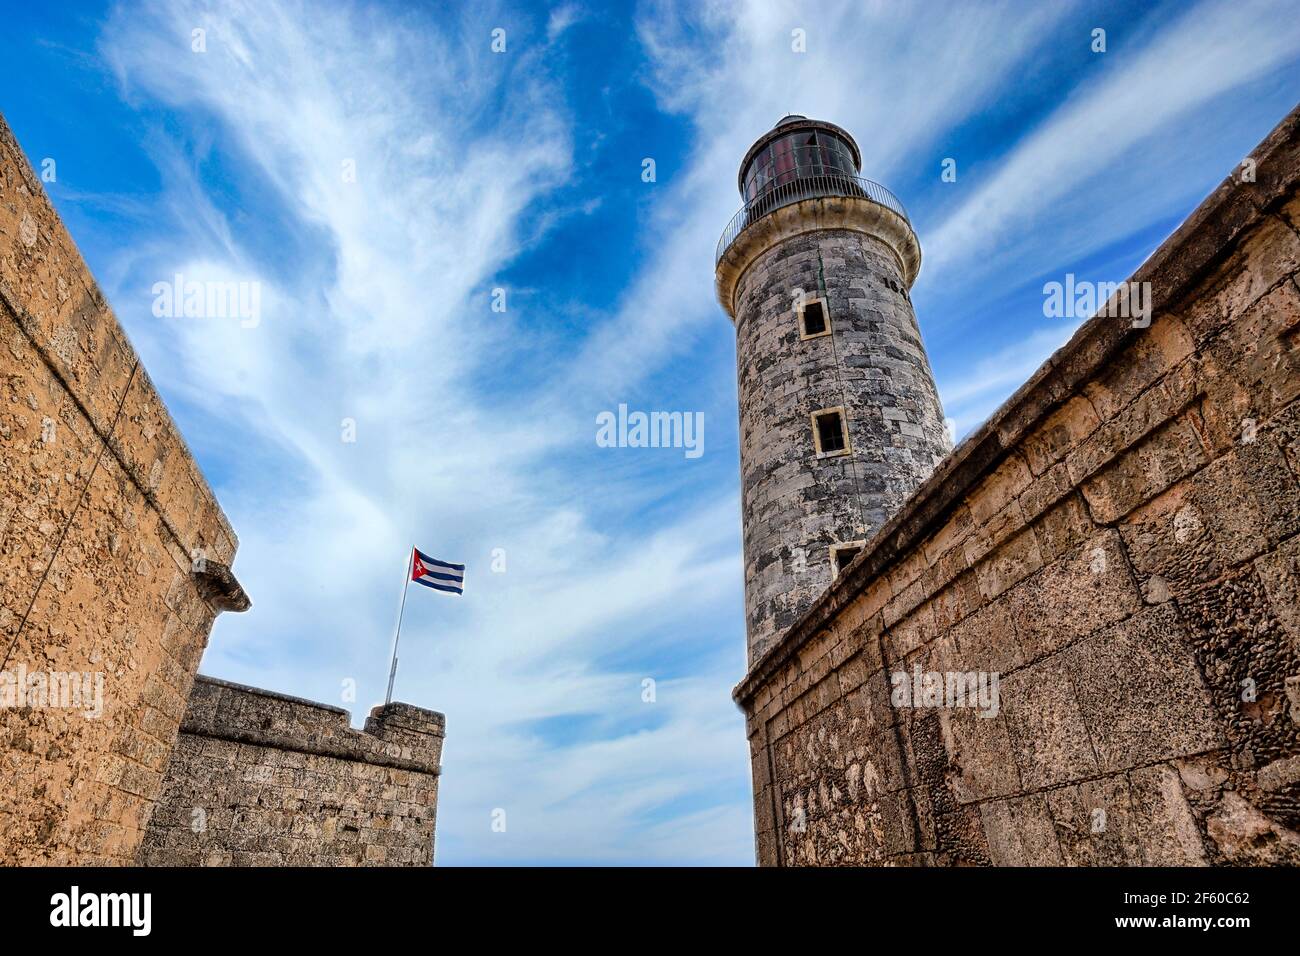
x: 475, y: 429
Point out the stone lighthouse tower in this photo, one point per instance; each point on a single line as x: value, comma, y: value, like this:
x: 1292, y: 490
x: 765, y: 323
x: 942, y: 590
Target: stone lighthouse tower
x: 839, y: 415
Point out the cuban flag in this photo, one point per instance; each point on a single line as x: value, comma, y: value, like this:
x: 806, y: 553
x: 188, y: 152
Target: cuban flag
x: 439, y: 575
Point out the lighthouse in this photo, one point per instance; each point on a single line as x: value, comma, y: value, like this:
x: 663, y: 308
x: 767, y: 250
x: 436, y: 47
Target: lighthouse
x: 839, y: 415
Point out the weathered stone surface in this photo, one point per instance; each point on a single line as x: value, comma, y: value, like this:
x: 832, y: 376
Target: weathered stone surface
x: 101, y: 509
x: 873, y: 365
x: 261, y: 779
x: 1247, y: 658
x: 980, y: 756
x: 1047, y: 726
x: 1119, y: 546
x: 1094, y: 823
x: 1073, y: 597
x: 1166, y: 830
x: 1279, y: 572
x: 1020, y: 832
x: 1246, y: 837
x: 1141, y: 693
x: 987, y: 640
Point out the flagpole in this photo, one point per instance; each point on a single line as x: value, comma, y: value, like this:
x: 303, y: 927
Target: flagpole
x: 392, y: 671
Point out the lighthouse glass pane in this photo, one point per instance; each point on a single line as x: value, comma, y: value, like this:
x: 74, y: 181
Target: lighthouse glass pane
x: 798, y: 155
x: 758, y: 179
x: 783, y: 160
x: 822, y: 153
x: 840, y: 157
x: 806, y: 154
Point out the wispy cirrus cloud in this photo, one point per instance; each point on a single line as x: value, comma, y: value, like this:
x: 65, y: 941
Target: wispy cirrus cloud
x: 474, y: 428
x: 404, y: 168
x: 1133, y: 118
x: 893, y: 75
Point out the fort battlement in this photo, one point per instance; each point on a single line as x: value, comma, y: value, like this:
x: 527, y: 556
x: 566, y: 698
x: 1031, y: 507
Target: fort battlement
x: 260, y: 778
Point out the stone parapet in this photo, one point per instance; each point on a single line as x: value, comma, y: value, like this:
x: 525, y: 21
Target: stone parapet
x: 846, y: 213
x: 264, y: 778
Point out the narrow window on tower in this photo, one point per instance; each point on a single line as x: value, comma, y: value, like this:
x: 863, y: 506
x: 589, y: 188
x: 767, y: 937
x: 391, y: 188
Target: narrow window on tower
x: 813, y: 318
x: 842, y: 556
x: 830, y: 434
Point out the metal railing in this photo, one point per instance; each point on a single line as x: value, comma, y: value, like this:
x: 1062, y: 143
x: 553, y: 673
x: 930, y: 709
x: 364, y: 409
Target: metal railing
x: 800, y: 188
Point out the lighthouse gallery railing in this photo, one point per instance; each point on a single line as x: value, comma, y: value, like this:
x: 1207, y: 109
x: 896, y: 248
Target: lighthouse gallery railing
x: 803, y: 187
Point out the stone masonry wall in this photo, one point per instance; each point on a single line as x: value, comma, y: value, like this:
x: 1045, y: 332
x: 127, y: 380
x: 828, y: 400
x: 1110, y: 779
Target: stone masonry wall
x: 874, y: 366
x: 1120, y: 543
x: 102, y: 511
x: 262, y: 779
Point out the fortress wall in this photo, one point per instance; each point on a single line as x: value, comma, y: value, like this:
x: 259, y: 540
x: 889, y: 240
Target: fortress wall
x: 1120, y: 544
x: 102, y: 509
x: 262, y: 779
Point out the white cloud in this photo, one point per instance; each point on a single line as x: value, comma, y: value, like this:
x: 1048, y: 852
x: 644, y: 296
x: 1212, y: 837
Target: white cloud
x: 561, y: 18
x: 986, y: 382
x: 1132, y: 116
x: 374, y: 310
x: 385, y: 324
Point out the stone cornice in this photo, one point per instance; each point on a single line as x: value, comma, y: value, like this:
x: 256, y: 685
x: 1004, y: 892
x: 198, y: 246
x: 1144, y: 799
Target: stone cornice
x: 853, y: 213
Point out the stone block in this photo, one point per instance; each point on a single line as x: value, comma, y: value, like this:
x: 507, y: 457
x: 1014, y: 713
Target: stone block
x: 1242, y: 835
x: 1094, y: 823
x: 958, y: 525
x: 1151, y: 354
x: 1141, y: 692
x: 1209, y: 524
x: 1073, y: 597
x: 1049, y: 737
x: 1171, y: 453
x: 1268, y: 256
x: 1165, y: 828
x: 1048, y: 489
x: 1064, y: 527
x: 1009, y: 564
x: 987, y: 640
x: 980, y: 756
x: 1061, y: 432
x: 1020, y: 832
x: 1279, y: 572
x: 1246, y: 657
x: 1002, y: 487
